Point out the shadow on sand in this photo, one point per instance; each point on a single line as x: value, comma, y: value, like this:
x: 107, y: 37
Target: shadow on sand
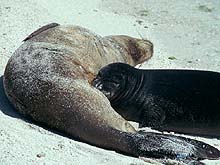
x: 5, y: 105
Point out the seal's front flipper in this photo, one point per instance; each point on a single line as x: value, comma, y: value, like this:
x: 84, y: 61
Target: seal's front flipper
x: 174, y: 147
x: 46, y: 27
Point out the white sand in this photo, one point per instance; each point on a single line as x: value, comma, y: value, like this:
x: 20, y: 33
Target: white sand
x: 186, y: 30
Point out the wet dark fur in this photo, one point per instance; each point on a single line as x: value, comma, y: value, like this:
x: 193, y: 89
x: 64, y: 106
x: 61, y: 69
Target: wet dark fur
x: 185, y: 101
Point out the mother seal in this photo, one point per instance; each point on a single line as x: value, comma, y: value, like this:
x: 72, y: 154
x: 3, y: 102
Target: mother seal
x: 49, y: 79
x: 185, y: 101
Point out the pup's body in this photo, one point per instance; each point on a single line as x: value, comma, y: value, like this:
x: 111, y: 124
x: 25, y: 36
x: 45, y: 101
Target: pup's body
x: 185, y: 101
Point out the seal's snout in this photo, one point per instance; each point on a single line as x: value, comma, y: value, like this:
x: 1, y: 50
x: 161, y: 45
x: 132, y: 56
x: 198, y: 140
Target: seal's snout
x: 98, y: 84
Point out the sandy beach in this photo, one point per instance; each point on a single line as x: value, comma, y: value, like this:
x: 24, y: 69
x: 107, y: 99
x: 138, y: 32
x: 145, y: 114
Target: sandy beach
x: 185, y: 34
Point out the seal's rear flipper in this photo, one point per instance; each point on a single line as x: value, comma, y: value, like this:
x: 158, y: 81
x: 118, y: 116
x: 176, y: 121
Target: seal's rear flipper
x: 174, y: 147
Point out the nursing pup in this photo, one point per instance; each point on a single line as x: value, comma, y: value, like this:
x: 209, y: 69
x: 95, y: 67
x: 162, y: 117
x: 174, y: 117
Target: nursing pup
x: 185, y: 101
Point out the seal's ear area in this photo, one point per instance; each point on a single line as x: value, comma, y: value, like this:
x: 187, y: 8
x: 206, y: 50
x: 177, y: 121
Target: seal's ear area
x: 139, y: 50
x: 146, y: 49
x: 174, y: 147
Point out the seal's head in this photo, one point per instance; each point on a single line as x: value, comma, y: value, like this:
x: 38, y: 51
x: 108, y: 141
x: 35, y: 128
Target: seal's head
x: 138, y: 50
x: 111, y: 79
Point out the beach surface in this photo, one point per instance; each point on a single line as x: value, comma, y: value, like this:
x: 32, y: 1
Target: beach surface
x: 185, y: 34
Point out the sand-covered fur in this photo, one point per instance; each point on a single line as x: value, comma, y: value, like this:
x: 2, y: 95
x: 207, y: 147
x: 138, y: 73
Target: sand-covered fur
x: 48, y: 79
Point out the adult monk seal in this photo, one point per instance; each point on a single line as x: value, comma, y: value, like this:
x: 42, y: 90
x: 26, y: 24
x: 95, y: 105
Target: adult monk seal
x: 185, y: 101
x: 49, y: 76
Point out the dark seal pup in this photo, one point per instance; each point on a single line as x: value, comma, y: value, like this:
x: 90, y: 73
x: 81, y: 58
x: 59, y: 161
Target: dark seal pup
x: 186, y: 101
x: 49, y: 78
